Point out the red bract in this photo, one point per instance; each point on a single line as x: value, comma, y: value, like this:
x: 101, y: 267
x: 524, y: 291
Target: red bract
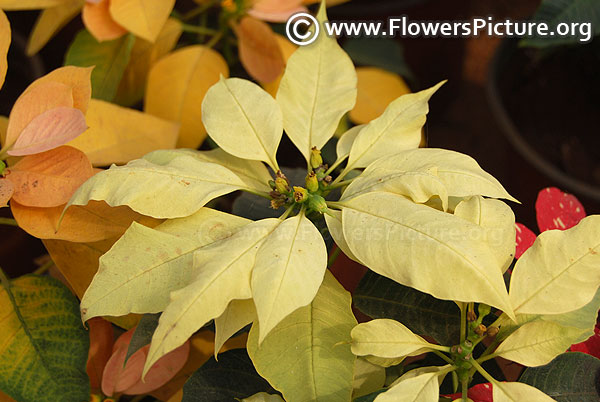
x: 557, y: 210
x: 525, y: 239
x: 477, y: 393
x: 554, y: 210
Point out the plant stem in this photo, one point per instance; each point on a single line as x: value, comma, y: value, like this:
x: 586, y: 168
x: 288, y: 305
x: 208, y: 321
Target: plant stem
x: 487, y: 357
x: 463, y: 322
x: 340, y: 184
x: 482, y: 371
x: 464, y: 387
x: 441, y: 348
x: 42, y: 270
x: 287, y: 212
x: 341, y: 176
x: 199, y: 29
x: 211, y: 43
x: 335, y: 165
x: 9, y: 222
x: 443, y: 356
x: 334, y: 204
x: 259, y: 193
x: 334, y: 255
x: 198, y: 10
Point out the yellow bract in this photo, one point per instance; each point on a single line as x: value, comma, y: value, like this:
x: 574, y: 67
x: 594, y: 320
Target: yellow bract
x: 166, y: 265
x: 223, y: 274
x: 312, y: 342
x: 424, y: 387
x: 420, y: 245
x: 498, y: 221
x: 386, y: 338
x: 5, y: 37
x: 144, y: 18
x: 317, y: 89
x: 241, y: 107
x: 50, y: 21
x: 537, y: 343
x: 288, y: 271
x: 377, y: 88
x: 149, y: 188
x: 518, y: 392
x: 397, y: 129
x: 177, y: 85
x: 118, y: 135
x: 144, y: 55
x: 561, y: 263
x: 29, y: 4
x: 238, y: 314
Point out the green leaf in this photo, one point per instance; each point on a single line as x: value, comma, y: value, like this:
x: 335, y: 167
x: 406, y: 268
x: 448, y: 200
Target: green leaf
x: 317, y: 89
x: 461, y: 174
x: 378, y: 52
x: 288, y: 271
x: 498, y: 222
x: 397, y: 129
x: 368, y: 378
x: 307, y: 356
x: 243, y: 120
x: 223, y: 271
x: 555, y: 12
x: 232, y: 377
x: 176, y: 189
x: 380, y: 297
x: 110, y: 58
x: 538, y: 342
x: 388, y: 339
x: 569, y: 377
x: 43, y: 346
x: 559, y: 273
x: 371, y: 397
x: 142, y: 334
x: 416, y: 245
x: 158, y: 260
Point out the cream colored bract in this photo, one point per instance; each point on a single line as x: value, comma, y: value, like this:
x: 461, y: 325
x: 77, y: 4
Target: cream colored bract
x: 426, y: 218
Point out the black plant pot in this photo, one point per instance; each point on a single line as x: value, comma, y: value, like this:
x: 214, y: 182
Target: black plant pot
x: 556, y: 175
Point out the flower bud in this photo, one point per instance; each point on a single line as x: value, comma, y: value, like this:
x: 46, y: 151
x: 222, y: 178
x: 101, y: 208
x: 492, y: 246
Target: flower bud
x: 471, y: 316
x: 315, y: 158
x: 300, y: 194
x: 317, y: 203
x: 492, y: 331
x: 312, y: 183
x: 277, y: 203
x: 281, y: 184
x: 481, y: 330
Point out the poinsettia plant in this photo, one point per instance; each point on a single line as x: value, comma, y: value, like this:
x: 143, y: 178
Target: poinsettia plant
x: 220, y: 293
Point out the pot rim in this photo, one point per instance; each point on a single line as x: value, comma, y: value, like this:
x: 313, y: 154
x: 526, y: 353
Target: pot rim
x: 512, y: 133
